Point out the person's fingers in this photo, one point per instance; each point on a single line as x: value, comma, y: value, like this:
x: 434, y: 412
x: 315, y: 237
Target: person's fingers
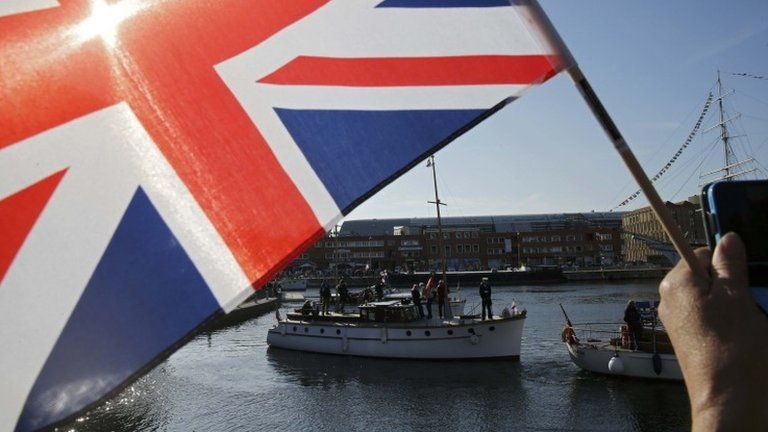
x: 729, y: 262
x: 681, y: 288
x: 681, y: 280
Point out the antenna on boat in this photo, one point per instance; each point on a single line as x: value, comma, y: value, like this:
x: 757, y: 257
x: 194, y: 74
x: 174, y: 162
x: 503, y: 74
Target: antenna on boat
x: 438, y: 203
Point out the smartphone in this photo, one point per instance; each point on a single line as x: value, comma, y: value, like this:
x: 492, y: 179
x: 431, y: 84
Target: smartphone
x: 741, y: 207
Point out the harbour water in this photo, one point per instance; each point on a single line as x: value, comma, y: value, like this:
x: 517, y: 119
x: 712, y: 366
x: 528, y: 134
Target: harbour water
x: 229, y: 380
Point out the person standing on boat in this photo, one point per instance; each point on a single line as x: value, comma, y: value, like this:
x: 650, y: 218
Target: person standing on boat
x: 342, y: 293
x: 416, y: 296
x: 442, y: 296
x: 325, y: 296
x: 429, y: 293
x: 634, y: 323
x: 380, y: 289
x: 432, y: 281
x: 485, y: 296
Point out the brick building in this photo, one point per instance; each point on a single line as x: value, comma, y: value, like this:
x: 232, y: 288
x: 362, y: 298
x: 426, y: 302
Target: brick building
x: 642, y: 224
x: 471, y: 243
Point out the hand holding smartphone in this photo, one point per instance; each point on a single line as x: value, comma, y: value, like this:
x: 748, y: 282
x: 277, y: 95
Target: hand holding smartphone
x: 741, y: 207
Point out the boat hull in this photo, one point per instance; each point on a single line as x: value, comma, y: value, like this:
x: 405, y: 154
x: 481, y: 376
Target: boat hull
x: 461, y: 339
x: 635, y: 364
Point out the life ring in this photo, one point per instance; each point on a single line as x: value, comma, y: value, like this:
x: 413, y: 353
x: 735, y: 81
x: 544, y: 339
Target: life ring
x: 474, y: 339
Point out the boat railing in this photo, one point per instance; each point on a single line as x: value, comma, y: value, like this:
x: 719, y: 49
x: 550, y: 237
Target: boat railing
x: 617, y: 334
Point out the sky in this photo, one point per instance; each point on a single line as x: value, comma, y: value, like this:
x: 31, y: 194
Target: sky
x: 652, y: 64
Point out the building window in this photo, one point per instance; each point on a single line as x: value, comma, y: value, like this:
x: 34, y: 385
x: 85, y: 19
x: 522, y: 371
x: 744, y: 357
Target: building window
x: 555, y: 238
x: 433, y: 249
x: 474, y: 234
x: 432, y: 236
x: 570, y: 238
x: 475, y: 248
x: 459, y: 248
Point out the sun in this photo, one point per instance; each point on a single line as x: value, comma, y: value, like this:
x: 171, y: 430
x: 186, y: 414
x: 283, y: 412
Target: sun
x: 105, y: 19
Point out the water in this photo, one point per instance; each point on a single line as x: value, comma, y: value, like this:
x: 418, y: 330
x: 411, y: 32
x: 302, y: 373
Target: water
x: 229, y: 380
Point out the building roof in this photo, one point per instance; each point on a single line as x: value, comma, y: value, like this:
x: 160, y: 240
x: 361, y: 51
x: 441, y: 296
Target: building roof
x: 499, y: 223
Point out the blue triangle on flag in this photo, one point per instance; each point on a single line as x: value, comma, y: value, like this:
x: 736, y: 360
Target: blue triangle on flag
x: 354, y: 153
x: 144, y: 296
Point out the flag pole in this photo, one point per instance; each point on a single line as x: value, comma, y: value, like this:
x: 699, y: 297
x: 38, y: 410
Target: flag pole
x: 626, y: 154
x: 553, y: 40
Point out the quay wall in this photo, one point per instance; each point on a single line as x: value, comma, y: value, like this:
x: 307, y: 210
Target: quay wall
x: 615, y: 274
x: 504, y: 278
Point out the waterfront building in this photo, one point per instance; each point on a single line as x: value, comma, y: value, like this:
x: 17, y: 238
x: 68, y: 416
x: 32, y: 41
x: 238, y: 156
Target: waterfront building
x: 645, y: 240
x: 471, y: 243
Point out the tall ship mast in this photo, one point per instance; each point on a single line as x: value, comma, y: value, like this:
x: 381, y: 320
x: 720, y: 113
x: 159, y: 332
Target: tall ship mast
x: 732, y: 168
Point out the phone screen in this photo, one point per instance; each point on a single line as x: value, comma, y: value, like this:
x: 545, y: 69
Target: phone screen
x: 742, y: 207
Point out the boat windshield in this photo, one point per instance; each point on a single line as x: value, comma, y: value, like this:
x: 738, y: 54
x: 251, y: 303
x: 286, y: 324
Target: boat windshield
x: 389, y: 312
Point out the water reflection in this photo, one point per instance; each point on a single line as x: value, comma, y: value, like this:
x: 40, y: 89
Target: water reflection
x: 445, y: 395
x: 637, y: 404
x: 145, y: 405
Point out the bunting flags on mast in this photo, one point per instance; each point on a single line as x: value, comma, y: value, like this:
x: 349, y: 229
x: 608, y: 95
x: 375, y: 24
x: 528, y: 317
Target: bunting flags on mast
x: 161, y: 159
x: 677, y: 154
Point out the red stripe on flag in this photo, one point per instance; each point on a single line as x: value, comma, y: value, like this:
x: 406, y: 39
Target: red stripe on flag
x: 179, y: 98
x: 416, y: 71
x: 18, y: 214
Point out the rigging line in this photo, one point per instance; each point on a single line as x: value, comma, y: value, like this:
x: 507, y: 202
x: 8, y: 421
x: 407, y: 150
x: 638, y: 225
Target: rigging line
x: 738, y: 127
x: 709, y: 153
x: 741, y: 130
x: 754, y: 117
x: 677, y: 154
x: 630, y: 181
x: 448, y: 191
x: 752, y: 97
x: 682, y: 169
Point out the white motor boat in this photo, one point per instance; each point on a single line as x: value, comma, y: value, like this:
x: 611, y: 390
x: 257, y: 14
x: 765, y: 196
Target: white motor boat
x: 607, y: 348
x: 393, y: 329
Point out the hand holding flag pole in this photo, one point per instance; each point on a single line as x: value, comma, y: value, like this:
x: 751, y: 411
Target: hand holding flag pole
x: 538, y: 16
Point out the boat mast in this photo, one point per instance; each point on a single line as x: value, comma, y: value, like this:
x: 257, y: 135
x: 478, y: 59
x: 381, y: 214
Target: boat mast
x: 729, y: 169
x: 724, y: 131
x: 437, y: 204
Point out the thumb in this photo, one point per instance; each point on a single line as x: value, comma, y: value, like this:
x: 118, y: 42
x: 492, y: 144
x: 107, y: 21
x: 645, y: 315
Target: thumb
x: 729, y: 261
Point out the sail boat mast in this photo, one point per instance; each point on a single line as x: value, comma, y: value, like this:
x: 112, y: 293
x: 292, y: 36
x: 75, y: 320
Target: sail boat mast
x: 732, y: 168
x: 724, y: 131
x: 437, y: 204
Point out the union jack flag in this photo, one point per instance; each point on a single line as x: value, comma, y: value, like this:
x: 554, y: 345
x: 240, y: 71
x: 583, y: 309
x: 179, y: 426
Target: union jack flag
x: 160, y: 159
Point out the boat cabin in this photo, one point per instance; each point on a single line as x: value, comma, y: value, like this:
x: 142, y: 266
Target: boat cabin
x: 389, y: 311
